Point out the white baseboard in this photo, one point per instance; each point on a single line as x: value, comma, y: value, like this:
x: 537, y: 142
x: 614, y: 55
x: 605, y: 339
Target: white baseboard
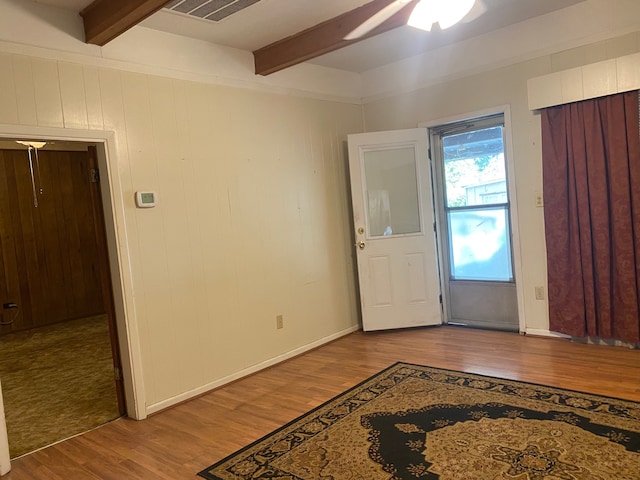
x: 156, y: 407
x: 545, y: 333
x: 5, y: 463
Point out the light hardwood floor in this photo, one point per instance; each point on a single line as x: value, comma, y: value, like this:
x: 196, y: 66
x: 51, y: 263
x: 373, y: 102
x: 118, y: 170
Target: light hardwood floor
x: 179, y: 442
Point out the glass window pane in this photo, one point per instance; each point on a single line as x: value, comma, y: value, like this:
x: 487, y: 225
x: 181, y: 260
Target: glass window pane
x: 474, y: 168
x: 480, y: 244
x: 392, y: 192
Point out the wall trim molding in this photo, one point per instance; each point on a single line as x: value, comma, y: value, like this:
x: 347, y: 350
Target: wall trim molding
x: 545, y: 333
x: 157, y: 407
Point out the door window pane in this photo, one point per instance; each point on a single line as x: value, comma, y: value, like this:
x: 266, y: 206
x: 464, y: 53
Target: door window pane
x: 480, y: 244
x: 391, y: 192
x: 474, y: 168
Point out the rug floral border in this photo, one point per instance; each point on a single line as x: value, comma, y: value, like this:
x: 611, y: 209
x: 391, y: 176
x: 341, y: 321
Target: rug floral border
x: 261, y: 452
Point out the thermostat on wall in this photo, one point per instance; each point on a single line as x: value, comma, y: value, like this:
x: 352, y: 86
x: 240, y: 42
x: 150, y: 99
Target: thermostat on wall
x: 146, y: 199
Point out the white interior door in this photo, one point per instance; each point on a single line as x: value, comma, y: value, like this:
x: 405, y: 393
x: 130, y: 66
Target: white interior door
x: 394, y: 223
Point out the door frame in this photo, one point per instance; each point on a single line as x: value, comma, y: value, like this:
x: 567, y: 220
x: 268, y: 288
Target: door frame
x: 408, y: 314
x: 513, y: 200
x: 105, y: 272
x: 117, y: 246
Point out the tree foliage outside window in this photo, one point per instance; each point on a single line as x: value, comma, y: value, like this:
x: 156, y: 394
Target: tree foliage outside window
x: 461, y: 173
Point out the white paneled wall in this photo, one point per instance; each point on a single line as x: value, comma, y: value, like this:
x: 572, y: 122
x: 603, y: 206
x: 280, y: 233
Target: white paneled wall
x: 252, y: 220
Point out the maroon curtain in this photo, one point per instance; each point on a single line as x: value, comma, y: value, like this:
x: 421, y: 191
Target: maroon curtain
x: 591, y: 177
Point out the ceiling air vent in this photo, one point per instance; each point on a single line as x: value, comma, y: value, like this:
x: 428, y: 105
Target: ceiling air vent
x: 214, y: 10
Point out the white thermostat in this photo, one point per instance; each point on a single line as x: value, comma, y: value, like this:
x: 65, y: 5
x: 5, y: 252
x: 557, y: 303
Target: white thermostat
x: 146, y: 199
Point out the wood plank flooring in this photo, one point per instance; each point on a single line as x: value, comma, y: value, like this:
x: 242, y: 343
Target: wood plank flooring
x: 179, y: 442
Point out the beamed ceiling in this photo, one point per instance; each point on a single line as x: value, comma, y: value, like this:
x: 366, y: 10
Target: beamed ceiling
x: 283, y: 33
x: 104, y: 20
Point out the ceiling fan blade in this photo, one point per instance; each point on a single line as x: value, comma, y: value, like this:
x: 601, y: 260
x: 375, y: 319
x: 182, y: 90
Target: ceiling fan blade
x: 479, y: 9
x: 377, y: 19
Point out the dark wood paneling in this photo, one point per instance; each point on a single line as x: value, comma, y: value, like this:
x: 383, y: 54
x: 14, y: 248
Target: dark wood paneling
x: 50, y: 261
x: 10, y: 290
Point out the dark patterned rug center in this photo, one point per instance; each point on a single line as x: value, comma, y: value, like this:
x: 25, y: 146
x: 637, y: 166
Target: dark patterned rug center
x: 415, y: 422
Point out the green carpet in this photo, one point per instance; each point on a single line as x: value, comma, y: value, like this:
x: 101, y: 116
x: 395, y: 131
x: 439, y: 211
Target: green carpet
x: 57, y: 381
x: 415, y: 422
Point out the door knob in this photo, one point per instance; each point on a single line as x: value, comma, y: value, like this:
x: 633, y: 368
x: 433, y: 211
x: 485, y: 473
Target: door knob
x: 360, y: 245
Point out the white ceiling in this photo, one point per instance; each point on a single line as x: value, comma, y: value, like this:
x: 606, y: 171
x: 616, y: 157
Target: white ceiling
x: 270, y: 20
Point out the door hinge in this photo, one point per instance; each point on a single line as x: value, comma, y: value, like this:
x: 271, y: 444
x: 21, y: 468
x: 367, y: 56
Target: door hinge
x: 434, y: 227
x: 117, y: 374
x: 95, y: 175
x: 441, y: 299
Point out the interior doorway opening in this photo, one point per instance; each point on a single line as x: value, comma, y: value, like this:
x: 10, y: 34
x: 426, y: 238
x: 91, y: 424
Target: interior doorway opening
x: 59, y: 336
x: 119, y: 259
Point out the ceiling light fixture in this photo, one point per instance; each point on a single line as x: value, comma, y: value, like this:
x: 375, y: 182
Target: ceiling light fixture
x: 446, y: 13
x: 31, y: 143
x: 33, y: 146
x: 425, y: 13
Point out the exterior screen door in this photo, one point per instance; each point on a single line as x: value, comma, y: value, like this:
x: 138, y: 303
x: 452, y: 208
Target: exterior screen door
x: 395, y: 239
x: 474, y: 218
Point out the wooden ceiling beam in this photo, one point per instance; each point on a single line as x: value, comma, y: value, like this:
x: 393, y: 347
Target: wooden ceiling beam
x: 104, y: 20
x: 325, y: 37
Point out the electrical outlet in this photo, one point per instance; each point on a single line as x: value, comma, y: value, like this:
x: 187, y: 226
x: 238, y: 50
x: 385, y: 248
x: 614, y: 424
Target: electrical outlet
x: 539, y: 200
x: 279, y: 322
x: 539, y: 293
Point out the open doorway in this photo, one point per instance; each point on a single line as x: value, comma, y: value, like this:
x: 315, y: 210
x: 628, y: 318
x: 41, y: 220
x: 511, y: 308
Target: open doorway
x: 58, y: 329
x: 474, y: 210
x: 453, y: 179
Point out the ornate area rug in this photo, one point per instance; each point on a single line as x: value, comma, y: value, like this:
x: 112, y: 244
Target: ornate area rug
x: 416, y: 422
